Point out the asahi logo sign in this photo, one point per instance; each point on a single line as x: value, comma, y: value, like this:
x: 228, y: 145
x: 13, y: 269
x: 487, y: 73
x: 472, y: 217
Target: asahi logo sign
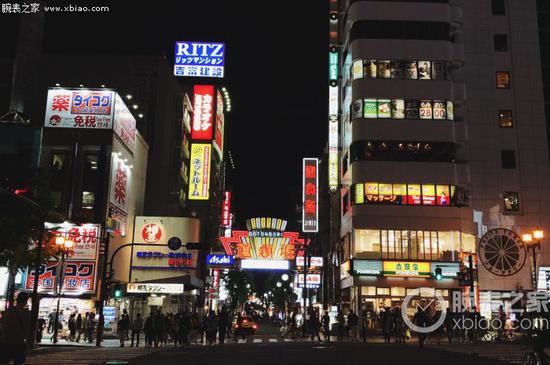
x: 219, y: 260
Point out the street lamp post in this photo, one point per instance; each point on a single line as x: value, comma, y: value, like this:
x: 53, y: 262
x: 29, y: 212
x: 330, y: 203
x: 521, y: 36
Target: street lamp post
x: 65, y: 245
x: 533, y: 241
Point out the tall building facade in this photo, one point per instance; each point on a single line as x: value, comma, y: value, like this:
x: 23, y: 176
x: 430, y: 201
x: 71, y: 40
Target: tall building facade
x: 442, y: 139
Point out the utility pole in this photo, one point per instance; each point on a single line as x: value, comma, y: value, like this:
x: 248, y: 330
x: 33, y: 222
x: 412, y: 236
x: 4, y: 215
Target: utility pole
x: 471, y: 275
x: 103, y: 289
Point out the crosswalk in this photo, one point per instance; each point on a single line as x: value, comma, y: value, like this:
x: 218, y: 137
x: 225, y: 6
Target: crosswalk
x: 85, y: 356
x: 257, y: 340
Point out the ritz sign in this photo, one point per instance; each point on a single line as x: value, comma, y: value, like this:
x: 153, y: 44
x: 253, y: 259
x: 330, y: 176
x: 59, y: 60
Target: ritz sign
x: 199, y: 59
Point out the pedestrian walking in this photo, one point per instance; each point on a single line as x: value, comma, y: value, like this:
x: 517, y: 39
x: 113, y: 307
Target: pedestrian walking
x: 325, y: 321
x: 123, y: 325
x: 353, y: 322
x: 72, y: 327
x: 148, y: 330
x: 341, y: 322
x: 398, y: 326
x: 15, y: 325
x: 157, y: 328
x: 223, y: 319
x: 51, y: 320
x: 365, y: 318
x: 313, y: 325
x: 137, y: 326
x: 211, y: 328
x: 91, y: 327
x: 203, y: 326
x: 40, y: 329
x: 420, y: 319
x: 449, y: 325
x: 387, y: 324
x: 78, y: 327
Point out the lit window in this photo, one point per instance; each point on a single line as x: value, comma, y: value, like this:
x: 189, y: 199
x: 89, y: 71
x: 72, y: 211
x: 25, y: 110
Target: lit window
x: 88, y: 199
x: 511, y: 201
x: 505, y: 119
x: 503, y: 80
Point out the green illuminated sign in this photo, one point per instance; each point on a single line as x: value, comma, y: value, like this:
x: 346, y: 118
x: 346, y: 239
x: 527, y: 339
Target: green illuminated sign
x: 333, y: 66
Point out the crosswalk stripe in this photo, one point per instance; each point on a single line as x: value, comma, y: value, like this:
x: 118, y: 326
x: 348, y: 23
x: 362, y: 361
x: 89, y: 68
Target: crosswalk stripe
x: 257, y: 340
x: 273, y: 340
x: 242, y: 340
x: 288, y: 340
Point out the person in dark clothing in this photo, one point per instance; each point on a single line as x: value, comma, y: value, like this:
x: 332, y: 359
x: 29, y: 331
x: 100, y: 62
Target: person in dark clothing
x: 137, y: 325
x: 40, y: 329
x: 72, y: 327
x: 223, y: 320
x: 449, y: 325
x: 325, y: 320
x: 79, y: 323
x: 313, y: 325
x: 387, y: 324
x: 420, y: 319
x: 148, y: 330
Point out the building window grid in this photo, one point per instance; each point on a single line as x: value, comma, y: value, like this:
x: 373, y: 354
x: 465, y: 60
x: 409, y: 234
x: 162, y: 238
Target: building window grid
x: 409, y: 245
x: 400, y: 69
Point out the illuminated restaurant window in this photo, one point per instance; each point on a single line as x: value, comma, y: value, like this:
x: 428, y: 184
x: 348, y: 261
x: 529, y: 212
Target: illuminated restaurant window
x: 382, y: 291
x: 511, y: 201
x: 368, y: 290
x: 468, y: 243
x: 398, y: 292
x: 372, y: 108
x: 399, y: 69
x: 505, y: 119
x: 403, y: 194
x: 367, y: 243
x: 503, y: 80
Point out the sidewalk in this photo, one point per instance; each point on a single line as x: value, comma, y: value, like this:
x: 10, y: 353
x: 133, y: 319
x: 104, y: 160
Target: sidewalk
x: 109, y: 342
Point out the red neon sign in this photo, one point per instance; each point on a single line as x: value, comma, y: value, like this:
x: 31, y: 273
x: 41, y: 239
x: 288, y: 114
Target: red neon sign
x: 203, y: 109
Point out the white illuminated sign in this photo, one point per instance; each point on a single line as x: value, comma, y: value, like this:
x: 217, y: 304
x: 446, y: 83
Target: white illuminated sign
x: 154, y: 288
x: 265, y: 264
x: 316, y: 261
x: 333, y: 138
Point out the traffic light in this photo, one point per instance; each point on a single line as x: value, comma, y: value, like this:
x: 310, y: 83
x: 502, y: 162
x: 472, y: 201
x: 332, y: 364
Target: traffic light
x: 118, y: 291
x: 438, y: 273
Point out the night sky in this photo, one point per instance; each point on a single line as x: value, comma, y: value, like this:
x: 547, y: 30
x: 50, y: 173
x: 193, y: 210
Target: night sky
x: 276, y: 73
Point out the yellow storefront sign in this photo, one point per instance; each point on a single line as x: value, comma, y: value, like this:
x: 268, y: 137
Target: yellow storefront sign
x: 199, y: 171
x: 407, y: 269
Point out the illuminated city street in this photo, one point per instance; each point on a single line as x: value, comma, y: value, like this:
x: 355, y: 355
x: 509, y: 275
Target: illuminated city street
x: 310, y: 182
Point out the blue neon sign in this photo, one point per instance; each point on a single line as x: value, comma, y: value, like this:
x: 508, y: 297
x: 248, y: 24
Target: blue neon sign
x: 199, y: 59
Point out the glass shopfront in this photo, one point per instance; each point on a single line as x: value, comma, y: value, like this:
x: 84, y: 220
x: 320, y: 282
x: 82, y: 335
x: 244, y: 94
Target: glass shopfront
x: 375, y: 244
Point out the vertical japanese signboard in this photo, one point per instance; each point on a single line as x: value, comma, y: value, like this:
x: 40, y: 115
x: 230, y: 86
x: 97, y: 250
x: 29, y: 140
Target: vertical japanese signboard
x: 124, y: 124
x: 203, y: 109
x: 333, y: 138
x: 119, y: 195
x: 79, y: 109
x: 333, y: 64
x: 226, y: 209
x: 199, y: 59
x: 218, y: 132
x: 310, y: 196
x: 199, y: 171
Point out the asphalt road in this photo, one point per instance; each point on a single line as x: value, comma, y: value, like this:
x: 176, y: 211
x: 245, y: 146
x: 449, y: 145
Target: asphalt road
x: 305, y: 353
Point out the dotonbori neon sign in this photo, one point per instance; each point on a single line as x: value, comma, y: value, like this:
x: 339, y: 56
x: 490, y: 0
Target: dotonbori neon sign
x: 265, y: 240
